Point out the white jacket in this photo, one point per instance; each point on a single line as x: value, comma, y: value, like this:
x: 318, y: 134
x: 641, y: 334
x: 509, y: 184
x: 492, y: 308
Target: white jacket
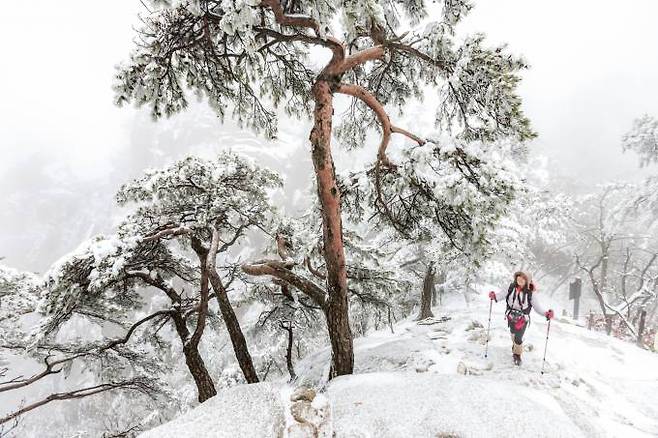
x: 519, y: 302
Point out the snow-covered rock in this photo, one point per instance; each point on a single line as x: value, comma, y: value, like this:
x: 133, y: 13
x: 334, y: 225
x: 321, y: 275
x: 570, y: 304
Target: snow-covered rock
x: 311, y: 414
x: 254, y: 410
x: 303, y: 393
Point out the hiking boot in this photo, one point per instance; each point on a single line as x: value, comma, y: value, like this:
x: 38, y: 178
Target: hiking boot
x: 517, y: 359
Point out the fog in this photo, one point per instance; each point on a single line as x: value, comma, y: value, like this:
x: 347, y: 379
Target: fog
x: 65, y: 148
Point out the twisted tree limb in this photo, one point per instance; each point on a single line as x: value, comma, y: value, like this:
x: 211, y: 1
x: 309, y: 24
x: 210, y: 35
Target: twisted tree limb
x: 138, y: 384
x: 52, y: 367
x: 280, y: 270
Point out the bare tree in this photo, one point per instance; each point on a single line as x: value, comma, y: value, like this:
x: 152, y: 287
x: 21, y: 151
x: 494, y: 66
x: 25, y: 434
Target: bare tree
x: 619, y: 257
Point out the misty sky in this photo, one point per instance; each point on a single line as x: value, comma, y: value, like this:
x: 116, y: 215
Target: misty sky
x: 593, y: 69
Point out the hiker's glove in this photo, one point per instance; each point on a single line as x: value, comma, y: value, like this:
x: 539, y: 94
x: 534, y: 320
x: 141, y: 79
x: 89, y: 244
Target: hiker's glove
x: 549, y: 314
x: 492, y: 296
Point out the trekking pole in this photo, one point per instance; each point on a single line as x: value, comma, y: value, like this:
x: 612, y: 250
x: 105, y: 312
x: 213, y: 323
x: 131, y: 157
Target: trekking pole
x: 486, y: 348
x: 548, y: 329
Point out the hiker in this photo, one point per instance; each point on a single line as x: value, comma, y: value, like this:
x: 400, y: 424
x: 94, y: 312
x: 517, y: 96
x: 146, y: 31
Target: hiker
x: 521, y: 298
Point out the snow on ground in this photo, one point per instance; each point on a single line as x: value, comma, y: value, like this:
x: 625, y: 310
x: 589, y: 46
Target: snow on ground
x: 390, y: 405
x: 242, y: 411
x: 432, y: 380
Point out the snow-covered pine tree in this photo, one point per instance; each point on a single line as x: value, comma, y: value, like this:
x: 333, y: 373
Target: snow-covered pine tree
x: 446, y: 198
x: 296, y: 294
x: 208, y: 206
x: 20, y: 296
x: 194, y: 207
x: 253, y: 57
x: 642, y: 139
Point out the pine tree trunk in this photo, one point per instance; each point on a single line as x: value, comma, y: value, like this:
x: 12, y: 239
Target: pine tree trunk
x: 197, y: 367
x: 291, y: 368
x: 195, y: 364
x: 426, y: 295
x: 234, y: 330
x: 336, y: 310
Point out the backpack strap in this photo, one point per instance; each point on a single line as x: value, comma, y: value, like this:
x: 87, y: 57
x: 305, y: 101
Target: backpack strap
x: 528, y: 297
x: 510, y: 289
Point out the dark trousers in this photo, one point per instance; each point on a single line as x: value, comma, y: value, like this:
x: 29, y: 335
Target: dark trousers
x: 518, y: 334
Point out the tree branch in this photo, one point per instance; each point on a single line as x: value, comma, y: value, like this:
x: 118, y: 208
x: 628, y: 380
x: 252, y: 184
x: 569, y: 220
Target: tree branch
x: 288, y: 20
x: 208, y: 261
x: 387, y: 128
x: 306, y: 22
x: 133, y: 384
x: 50, y: 366
x: 280, y: 270
x: 175, y: 231
x: 158, y: 282
x: 360, y: 57
x: 281, y: 247
x: 420, y: 55
x: 312, y: 270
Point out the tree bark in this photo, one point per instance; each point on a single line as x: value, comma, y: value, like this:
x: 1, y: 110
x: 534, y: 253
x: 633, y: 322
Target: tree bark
x: 208, y: 270
x: 287, y: 326
x: 196, y: 365
x: 336, y: 311
x: 426, y: 294
x: 194, y: 361
x: 234, y: 330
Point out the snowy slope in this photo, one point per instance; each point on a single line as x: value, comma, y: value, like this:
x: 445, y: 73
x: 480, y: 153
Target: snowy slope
x: 433, y: 380
x: 429, y: 404
x: 242, y: 411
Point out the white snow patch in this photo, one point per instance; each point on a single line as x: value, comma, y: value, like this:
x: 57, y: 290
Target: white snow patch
x: 253, y: 410
x: 393, y: 405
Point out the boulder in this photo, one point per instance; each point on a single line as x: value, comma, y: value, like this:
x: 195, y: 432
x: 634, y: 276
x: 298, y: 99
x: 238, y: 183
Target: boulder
x: 303, y: 393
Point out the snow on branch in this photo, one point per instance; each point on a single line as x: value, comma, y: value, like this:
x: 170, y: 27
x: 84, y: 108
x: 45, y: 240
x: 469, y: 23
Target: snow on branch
x: 142, y: 385
x: 643, y: 140
x: 56, y: 366
x: 281, y: 270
